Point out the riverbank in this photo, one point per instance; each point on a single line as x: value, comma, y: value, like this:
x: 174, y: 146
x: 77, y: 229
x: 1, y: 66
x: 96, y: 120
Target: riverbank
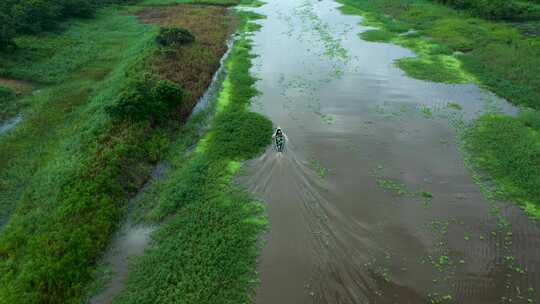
x: 453, y: 46
x: 208, y: 225
x: 69, y: 167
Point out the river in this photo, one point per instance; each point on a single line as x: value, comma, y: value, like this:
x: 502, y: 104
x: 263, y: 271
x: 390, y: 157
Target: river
x: 372, y: 201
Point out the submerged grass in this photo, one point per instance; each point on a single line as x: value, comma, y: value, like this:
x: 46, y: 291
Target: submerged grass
x: 206, y: 249
x: 316, y: 165
x: 454, y: 105
x: 453, y: 46
x: 426, y: 111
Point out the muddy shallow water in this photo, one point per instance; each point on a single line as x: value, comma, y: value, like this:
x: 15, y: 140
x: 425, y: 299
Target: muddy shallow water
x: 10, y: 124
x: 371, y: 201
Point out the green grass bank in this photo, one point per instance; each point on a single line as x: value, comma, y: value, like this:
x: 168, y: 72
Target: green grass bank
x: 63, y: 169
x: 68, y: 169
x: 206, y: 247
x: 508, y: 149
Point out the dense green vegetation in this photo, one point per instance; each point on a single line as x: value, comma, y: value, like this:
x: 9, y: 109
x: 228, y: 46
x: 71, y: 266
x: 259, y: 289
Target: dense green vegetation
x: 64, y: 167
x: 147, y: 98
x: 205, y: 251
x: 65, y: 112
x: 509, y: 150
x: 7, y: 102
x: 91, y: 134
x: 34, y: 16
x: 495, y: 53
x: 499, y: 9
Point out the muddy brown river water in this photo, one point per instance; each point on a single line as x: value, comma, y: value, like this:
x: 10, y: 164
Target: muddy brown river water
x: 372, y: 201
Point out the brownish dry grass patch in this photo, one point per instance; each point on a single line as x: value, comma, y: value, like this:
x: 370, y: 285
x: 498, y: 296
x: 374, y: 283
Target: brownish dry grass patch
x: 193, y: 65
x: 19, y: 86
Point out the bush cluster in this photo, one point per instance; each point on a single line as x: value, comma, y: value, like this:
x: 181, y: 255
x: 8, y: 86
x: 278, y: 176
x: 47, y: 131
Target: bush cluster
x: 34, y: 16
x: 147, y: 98
x: 174, y: 36
x: 497, y: 9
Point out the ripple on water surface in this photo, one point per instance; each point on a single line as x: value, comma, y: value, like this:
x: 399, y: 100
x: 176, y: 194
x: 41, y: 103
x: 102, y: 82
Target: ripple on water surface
x: 372, y: 201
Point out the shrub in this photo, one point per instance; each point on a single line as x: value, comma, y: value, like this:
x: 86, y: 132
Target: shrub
x: 168, y: 93
x: 491, y: 9
x: 497, y: 9
x: 147, y: 99
x: 79, y: 8
x: 174, y: 36
x: 34, y: 16
x: 7, y: 31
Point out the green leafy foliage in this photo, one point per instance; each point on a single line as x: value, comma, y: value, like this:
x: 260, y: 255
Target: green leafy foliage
x: 174, y: 36
x: 147, y: 98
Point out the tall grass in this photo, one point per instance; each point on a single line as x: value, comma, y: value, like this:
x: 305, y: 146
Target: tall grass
x: 206, y: 250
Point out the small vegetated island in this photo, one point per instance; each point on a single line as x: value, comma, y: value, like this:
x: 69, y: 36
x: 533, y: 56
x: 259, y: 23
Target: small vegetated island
x: 103, y: 91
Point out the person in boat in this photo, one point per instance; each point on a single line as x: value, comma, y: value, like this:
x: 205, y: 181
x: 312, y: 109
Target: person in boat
x: 279, y: 139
